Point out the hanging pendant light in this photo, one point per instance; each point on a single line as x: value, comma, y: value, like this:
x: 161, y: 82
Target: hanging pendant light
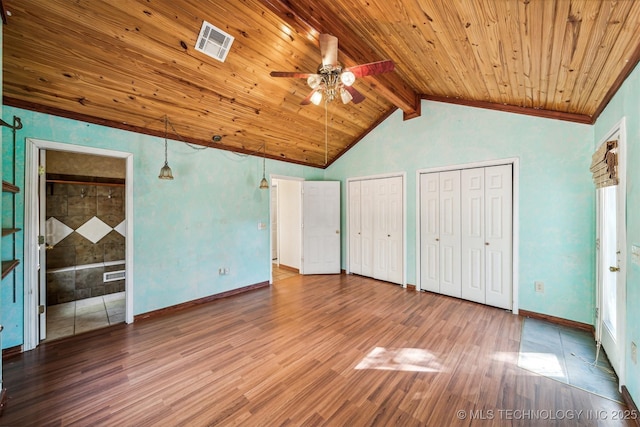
x: 264, y: 184
x: 165, y: 171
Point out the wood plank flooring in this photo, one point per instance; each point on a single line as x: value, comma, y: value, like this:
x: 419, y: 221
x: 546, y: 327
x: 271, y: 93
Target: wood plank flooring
x: 307, y: 351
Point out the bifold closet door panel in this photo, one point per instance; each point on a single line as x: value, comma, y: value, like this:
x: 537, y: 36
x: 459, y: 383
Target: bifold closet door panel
x: 355, y: 228
x: 366, y: 225
x: 395, y: 229
x: 473, y: 236
x: 499, y: 235
x: 430, y: 232
x: 450, y: 238
x: 387, y: 229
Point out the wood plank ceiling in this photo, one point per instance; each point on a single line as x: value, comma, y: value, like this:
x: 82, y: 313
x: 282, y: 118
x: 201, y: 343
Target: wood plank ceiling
x: 128, y: 63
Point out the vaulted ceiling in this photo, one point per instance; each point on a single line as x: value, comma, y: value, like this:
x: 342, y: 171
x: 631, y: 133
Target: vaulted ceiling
x: 129, y: 63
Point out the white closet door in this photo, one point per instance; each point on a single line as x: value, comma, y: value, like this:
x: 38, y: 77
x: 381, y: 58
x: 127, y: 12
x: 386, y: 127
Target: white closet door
x: 355, y: 232
x: 450, y: 280
x: 366, y: 225
x: 429, y: 231
x: 473, y: 241
x: 394, y: 229
x: 498, y: 235
x: 380, y: 229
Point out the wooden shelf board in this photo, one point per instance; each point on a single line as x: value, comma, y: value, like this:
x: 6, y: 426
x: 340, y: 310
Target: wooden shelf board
x: 8, y: 266
x: 8, y: 231
x: 7, y: 186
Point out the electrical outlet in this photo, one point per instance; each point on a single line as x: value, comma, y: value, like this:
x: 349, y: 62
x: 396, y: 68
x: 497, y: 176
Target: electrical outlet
x: 634, y: 352
x: 539, y: 287
x: 221, y: 271
x: 226, y: 270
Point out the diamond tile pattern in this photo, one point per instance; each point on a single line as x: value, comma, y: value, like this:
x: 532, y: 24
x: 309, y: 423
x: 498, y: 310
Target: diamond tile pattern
x: 56, y: 231
x: 94, y: 229
x: 121, y: 228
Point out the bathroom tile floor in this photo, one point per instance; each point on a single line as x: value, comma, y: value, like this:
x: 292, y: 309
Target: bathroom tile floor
x: 84, y: 315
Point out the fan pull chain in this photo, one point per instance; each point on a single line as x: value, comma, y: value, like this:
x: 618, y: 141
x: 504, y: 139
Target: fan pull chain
x: 326, y: 131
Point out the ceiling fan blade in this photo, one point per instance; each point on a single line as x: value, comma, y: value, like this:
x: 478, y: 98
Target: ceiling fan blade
x: 372, y: 68
x: 329, y: 50
x: 290, y: 74
x: 357, y: 96
x: 307, y: 100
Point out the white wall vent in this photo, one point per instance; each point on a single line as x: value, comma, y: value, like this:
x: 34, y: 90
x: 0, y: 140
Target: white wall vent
x: 214, y: 42
x: 112, y: 276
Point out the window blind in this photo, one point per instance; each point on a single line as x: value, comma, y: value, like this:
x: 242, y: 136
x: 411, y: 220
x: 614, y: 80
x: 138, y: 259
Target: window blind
x: 604, y: 165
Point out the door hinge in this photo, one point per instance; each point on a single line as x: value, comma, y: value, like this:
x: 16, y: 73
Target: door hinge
x: 597, y: 312
x: 41, y: 309
x: 41, y: 240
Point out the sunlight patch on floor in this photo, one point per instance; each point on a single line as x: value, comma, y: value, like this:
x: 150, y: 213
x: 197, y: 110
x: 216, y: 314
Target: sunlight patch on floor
x: 546, y: 364
x: 400, y: 359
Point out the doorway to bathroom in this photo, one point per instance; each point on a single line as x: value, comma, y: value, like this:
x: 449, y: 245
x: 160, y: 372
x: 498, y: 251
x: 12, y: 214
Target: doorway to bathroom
x: 78, y: 229
x: 84, y: 223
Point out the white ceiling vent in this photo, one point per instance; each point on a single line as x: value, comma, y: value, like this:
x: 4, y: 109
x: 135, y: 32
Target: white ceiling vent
x: 214, y: 42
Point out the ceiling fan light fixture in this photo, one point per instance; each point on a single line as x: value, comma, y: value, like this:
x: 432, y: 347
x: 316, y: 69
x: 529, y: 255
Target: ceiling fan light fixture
x: 347, y: 78
x: 345, y: 96
x: 314, y: 81
x: 316, y: 98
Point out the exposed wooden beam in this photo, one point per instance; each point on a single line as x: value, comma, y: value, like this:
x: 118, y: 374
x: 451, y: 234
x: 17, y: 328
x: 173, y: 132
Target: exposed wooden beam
x: 3, y: 10
x: 310, y: 24
x: 537, y: 112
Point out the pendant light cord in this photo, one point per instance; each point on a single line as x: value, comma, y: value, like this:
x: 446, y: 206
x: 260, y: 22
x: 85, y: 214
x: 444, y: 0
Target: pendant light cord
x: 166, y: 120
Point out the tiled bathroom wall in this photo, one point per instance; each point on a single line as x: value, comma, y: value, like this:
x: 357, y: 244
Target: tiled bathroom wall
x: 85, y: 238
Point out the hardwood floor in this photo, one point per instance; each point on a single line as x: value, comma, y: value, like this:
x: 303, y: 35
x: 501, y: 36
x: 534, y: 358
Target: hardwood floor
x: 309, y: 350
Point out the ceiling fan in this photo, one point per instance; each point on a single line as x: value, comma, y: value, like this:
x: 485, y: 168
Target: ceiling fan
x: 331, y: 79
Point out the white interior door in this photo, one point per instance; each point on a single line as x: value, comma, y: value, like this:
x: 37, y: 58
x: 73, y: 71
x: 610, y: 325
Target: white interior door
x: 320, y: 227
x: 274, y: 223
x: 450, y: 264
x: 498, y: 235
x: 355, y: 228
x: 42, y: 247
x: 430, y: 232
x: 609, y: 267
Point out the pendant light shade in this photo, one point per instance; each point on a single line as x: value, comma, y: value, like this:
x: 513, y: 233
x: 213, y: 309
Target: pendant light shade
x: 264, y: 184
x: 165, y: 171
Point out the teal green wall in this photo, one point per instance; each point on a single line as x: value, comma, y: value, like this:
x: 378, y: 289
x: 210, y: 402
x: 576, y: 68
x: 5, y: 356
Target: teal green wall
x: 625, y: 104
x: 184, y: 229
x: 556, y: 193
x: 207, y: 217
